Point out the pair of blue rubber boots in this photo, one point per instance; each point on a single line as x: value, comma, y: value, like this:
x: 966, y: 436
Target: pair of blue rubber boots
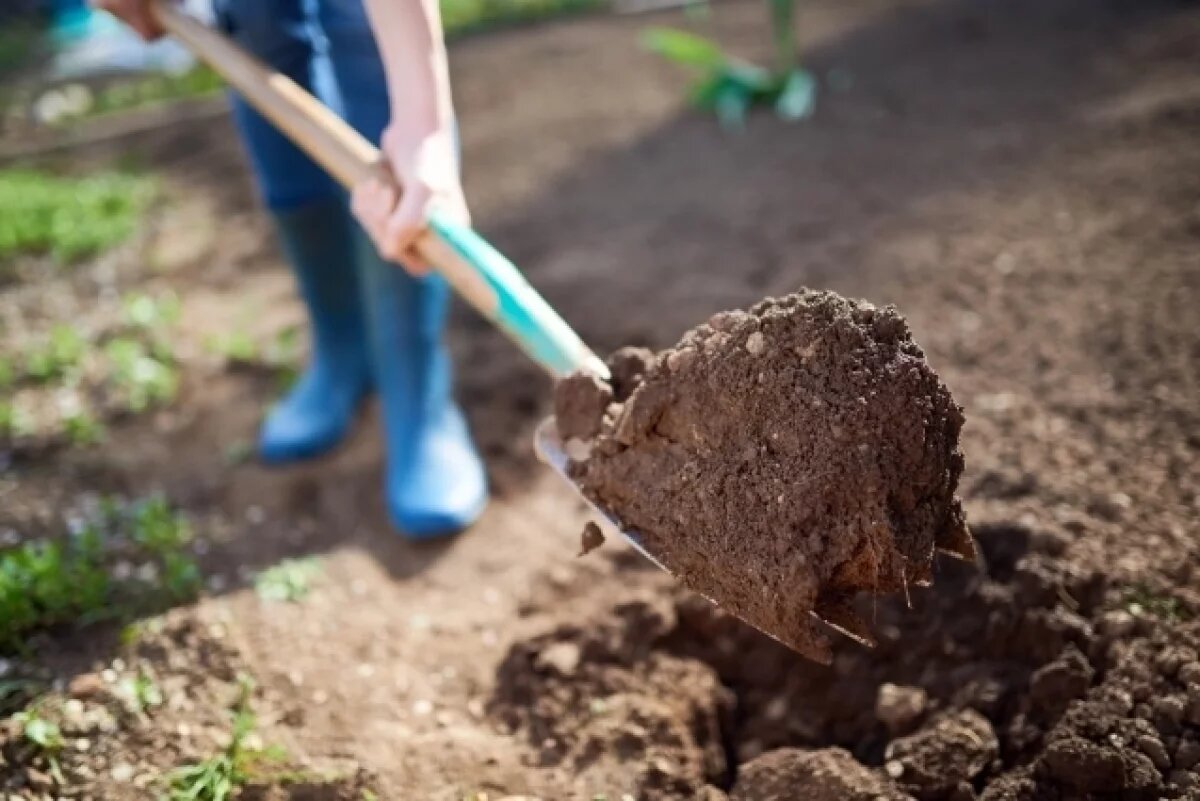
x: 376, y: 328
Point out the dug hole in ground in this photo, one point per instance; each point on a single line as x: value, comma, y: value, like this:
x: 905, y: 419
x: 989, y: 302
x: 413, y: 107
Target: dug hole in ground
x: 1018, y: 178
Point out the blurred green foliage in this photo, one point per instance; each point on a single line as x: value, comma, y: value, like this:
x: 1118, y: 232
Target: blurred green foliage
x: 69, y: 218
x: 730, y: 86
x: 74, y: 579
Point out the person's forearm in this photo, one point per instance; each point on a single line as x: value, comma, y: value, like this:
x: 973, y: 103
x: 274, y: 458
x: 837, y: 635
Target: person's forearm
x: 409, y: 35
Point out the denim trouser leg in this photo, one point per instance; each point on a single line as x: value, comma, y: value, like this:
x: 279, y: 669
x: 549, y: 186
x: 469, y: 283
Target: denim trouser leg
x: 281, y: 33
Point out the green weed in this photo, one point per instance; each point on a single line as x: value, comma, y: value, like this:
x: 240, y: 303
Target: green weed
x: 237, y: 347
x: 219, y: 776
x: 140, y: 692
x: 729, y: 86
x: 140, y: 375
x: 58, y: 357
x: 69, y: 218
x: 70, y: 580
x: 290, y: 580
x: 14, y: 422
x: 81, y: 428
x: 150, y: 314
x: 44, y: 736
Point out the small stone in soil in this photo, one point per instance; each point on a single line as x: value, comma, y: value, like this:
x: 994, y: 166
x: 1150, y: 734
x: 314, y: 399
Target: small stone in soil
x: 591, y: 538
x: 899, y: 708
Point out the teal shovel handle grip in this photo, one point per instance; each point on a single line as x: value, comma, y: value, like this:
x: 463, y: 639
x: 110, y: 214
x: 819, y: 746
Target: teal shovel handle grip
x: 495, y: 287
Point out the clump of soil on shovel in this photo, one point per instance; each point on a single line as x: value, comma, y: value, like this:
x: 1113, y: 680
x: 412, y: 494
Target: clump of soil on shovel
x: 778, y: 461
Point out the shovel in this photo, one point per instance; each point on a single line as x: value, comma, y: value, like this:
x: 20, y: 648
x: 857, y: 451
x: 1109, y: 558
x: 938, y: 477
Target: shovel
x: 478, y: 272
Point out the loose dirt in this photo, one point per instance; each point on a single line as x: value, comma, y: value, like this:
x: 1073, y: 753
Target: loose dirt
x: 779, y: 461
x: 1019, y: 177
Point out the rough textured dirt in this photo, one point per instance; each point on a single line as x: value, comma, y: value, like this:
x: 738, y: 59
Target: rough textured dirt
x: 779, y: 461
x: 1018, y: 176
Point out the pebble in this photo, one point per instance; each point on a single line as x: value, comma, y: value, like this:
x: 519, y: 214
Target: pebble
x: 1189, y: 673
x: 85, y: 685
x: 562, y: 657
x: 755, y: 343
x: 422, y: 707
x: 898, y: 708
x: 577, y: 450
x: 122, y: 772
x: 1153, y: 748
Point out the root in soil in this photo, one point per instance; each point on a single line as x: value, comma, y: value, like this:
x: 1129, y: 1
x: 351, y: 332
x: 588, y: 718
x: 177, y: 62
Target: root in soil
x: 779, y: 461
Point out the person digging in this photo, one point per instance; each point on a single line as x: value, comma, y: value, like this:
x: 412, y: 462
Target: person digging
x: 375, y: 328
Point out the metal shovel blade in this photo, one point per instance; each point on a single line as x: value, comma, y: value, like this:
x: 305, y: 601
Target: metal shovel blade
x: 551, y: 451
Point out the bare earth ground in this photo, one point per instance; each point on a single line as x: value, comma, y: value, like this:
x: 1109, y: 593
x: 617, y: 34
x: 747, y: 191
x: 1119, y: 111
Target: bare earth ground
x: 1018, y: 177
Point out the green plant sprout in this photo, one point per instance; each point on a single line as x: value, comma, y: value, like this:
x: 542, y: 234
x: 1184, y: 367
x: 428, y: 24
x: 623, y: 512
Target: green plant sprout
x: 729, y: 86
x: 139, y: 376
x: 150, y: 314
x: 45, y: 737
x: 290, y: 580
x: 81, y: 428
x: 59, y: 357
x: 219, y: 776
x: 140, y: 693
x: 236, y: 347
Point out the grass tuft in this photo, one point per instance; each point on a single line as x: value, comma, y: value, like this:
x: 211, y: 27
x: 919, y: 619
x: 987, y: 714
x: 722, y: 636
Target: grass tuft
x: 68, y: 218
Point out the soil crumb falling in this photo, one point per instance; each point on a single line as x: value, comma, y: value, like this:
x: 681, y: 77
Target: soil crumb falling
x: 778, y: 460
x: 591, y: 538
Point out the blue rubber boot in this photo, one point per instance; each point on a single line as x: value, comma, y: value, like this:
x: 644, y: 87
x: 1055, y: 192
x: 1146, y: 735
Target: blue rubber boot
x: 435, y: 483
x: 316, y: 414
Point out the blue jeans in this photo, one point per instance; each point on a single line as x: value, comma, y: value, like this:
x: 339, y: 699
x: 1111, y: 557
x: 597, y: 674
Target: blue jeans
x: 327, y: 47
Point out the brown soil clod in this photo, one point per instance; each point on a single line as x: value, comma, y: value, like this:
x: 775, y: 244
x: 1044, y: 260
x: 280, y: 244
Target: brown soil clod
x: 779, y: 461
x: 590, y: 539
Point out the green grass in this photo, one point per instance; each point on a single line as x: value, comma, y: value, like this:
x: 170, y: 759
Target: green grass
x: 71, y: 580
x: 68, y: 218
x: 290, y: 580
x: 219, y: 777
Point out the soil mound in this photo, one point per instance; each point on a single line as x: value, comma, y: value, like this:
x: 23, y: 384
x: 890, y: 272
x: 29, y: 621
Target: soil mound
x: 778, y: 460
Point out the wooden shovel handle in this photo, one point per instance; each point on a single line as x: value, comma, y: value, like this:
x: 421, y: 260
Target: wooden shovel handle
x: 477, y: 271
